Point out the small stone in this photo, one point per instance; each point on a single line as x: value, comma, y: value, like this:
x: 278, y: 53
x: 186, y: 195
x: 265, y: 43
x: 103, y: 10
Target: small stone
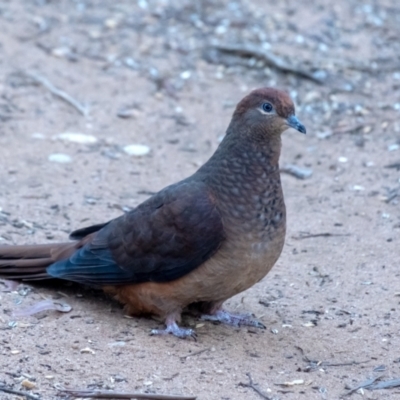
x: 297, y: 172
x: 94, y: 34
x: 137, y: 150
x: 77, y: 138
x: 117, y: 344
x: 127, y: 113
x: 60, y: 158
x: 185, y: 75
x: 294, y: 382
x: 87, y: 350
x: 111, y: 23
x: 38, y: 135
x: 342, y: 159
x: 61, y: 52
x: 27, y: 384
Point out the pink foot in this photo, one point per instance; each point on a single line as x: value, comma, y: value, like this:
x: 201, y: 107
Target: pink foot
x: 173, y: 329
x: 234, y: 319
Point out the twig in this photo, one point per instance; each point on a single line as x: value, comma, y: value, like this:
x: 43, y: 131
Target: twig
x: 350, y: 128
x: 364, y: 385
x: 106, y: 394
x: 18, y: 392
x: 392, y: 195
x: 196, y: 353
x: 392, y: 383
x: 59, y: 93
x: 313, y: 365
x: 313, y: 235
x: 329, y: 364
x: 249, y: 50
x: 252, y: 385
x: 394, y: 165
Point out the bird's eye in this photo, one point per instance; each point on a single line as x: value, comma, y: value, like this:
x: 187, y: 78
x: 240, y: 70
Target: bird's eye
x: 267, y: 107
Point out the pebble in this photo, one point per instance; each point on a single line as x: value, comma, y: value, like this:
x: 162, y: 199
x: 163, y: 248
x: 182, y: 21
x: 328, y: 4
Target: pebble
x: 77, y: 138
x: 127, y: 113
x: 342, y: 159
x: 28, y: 384
x: 38, y: 135
x: 297, y: 172
x: 87, y: 350
x: 60, y: 158
x: 137, y: 150
x: 185, y: 75
x: 294, y: 382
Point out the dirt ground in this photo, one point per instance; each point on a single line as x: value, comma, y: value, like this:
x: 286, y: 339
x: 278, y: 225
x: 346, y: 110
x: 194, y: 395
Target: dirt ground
x: 149, y: 73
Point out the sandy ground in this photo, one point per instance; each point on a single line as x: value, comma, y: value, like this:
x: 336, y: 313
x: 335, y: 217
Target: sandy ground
x: 147, y: 74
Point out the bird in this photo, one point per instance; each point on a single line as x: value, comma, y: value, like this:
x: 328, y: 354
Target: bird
x: 195, y: 243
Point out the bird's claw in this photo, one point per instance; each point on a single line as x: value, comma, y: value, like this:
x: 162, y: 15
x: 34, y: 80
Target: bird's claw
x: 236, y: 320
x: 175, y: 330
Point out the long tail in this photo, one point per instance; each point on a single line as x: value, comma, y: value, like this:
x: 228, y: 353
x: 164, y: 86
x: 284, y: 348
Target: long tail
x: 31, y: 262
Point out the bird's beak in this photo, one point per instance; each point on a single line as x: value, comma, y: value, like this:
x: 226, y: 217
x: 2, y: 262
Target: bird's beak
x: 293, y: 122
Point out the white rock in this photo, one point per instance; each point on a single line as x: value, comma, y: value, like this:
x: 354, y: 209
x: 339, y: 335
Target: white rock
x: 60, y: 158
x: 38, y: 135
x: 186, y: 75
x: 342, y: 159
x: 137, y: 150
x: 77, y: 138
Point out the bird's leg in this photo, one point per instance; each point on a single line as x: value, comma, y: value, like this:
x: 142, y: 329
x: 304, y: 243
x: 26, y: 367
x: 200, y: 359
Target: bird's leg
x: 174, y: 329
x: 220, y: 315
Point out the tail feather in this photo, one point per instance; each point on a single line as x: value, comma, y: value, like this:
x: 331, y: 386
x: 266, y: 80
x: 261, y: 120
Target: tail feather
x: 31, y: 262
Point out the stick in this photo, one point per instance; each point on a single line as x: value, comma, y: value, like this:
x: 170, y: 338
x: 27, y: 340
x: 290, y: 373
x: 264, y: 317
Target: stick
x: 363, y: 385
x: 251, y: 385
x: 325, y: 234
x: 19, y: 393
x: 106, y: 394
x: 196, y: 353
x: 270, y: 58
x: 58, y: 92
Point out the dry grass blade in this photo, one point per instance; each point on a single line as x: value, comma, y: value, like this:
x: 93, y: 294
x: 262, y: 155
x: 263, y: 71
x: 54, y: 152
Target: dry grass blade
x: 18, y: 393
x: 249, y: 50
x: 314, y: 235
x: 106, y: 394
x: 363, y: 385
x: 253, y: 386
x: 58, y: 92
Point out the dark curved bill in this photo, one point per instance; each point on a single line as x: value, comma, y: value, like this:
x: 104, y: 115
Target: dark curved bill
x: 294, y: 123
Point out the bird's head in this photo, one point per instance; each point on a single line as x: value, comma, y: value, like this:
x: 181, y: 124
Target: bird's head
x: 267, y: 112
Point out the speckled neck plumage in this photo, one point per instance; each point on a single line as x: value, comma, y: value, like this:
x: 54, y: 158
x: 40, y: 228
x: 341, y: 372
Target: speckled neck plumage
x: 246, y: 182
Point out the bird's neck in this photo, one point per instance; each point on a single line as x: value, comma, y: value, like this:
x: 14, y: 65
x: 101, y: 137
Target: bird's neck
x: 239, y: 159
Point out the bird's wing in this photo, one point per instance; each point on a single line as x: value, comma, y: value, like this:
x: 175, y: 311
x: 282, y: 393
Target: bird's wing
x: 163, y: 239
